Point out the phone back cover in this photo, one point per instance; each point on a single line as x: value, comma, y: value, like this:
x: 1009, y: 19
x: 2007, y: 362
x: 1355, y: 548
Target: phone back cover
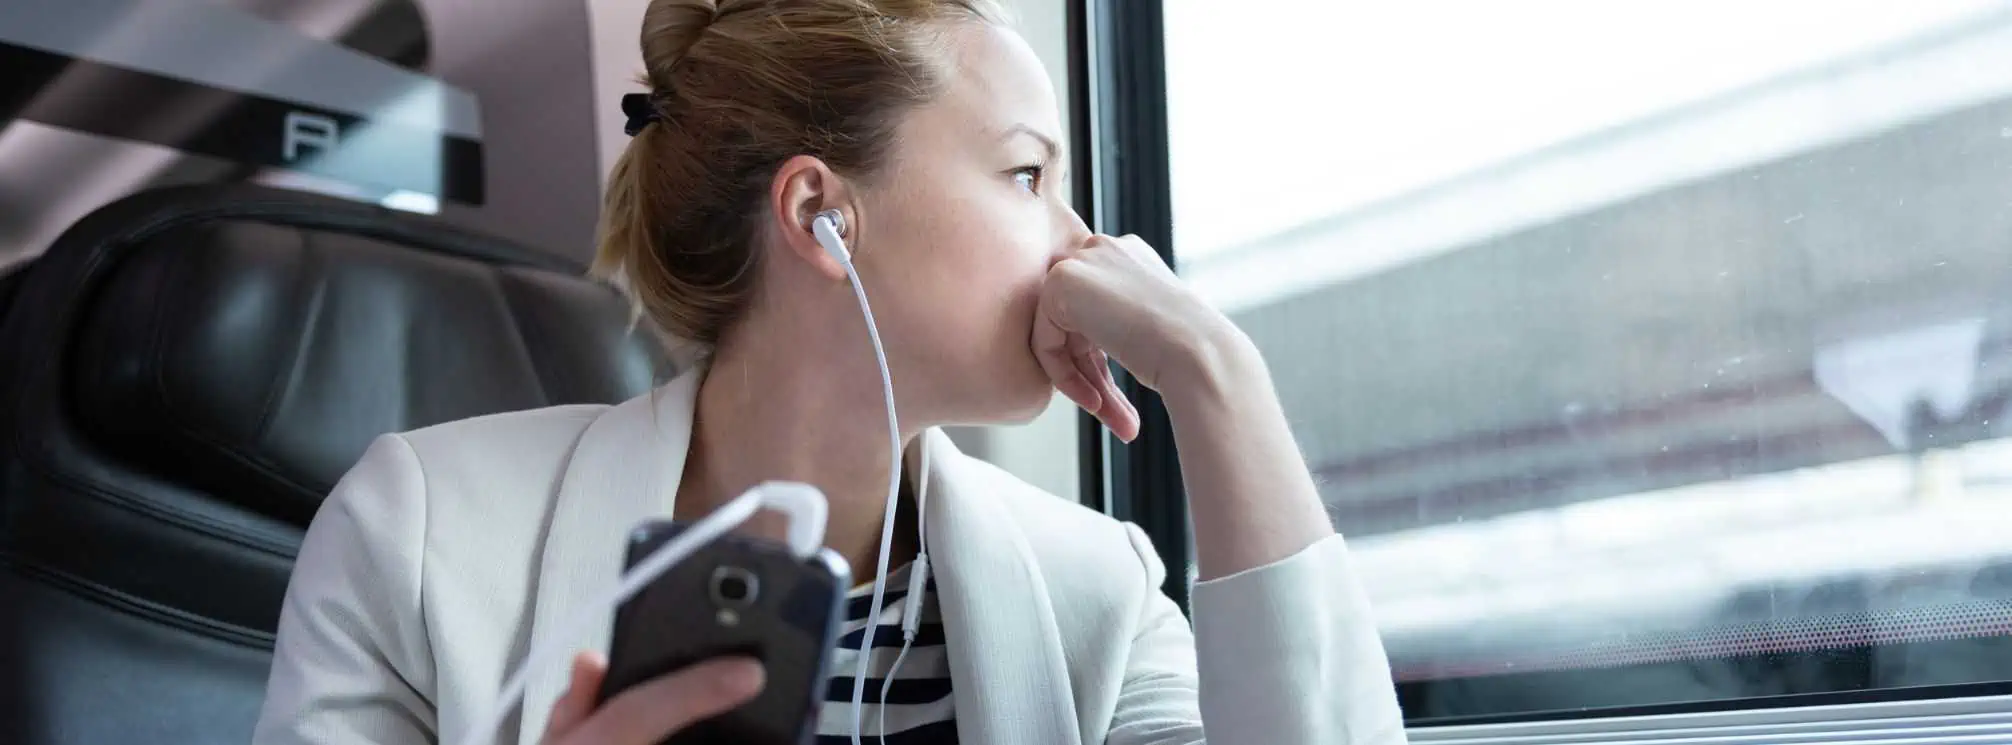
x: 791, y: 627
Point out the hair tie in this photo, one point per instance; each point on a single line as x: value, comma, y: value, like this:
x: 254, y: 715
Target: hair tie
x: 640, y: 111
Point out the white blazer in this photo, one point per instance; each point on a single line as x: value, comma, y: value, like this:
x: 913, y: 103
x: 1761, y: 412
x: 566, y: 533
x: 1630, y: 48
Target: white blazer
x: 443, y: 551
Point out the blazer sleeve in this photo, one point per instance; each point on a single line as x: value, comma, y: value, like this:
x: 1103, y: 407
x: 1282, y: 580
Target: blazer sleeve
x: 351, y: 663
x: 1284, y: 654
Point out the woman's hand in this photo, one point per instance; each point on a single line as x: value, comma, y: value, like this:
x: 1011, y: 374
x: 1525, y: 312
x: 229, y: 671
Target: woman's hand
x: 646, y: 714
x: 1114, y: 296
x: 1251, y: 496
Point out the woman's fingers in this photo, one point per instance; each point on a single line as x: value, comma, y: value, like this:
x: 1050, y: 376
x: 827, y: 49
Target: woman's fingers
x: 578, y: 701
x: 1117, y: 412
x: 1052, y: 349
x: 1114, y: 410
x: 1076, y: 366
x: 648, y: 713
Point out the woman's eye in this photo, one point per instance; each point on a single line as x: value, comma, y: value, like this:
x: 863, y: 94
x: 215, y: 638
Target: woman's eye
x: 1028, y: 178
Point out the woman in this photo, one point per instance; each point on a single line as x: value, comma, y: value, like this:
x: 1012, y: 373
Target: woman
x: 931, y: 129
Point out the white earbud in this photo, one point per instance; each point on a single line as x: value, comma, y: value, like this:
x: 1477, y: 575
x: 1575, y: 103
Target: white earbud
x: 829, y: 228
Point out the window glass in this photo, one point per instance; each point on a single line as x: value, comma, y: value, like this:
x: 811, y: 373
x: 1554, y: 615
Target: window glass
x: 1652, y: 354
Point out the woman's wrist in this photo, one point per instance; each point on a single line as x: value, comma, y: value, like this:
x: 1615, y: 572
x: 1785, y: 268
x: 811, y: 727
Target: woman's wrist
x: 1216, y: 363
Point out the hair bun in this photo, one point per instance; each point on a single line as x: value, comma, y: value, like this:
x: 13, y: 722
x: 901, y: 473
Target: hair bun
x: 670, y: 28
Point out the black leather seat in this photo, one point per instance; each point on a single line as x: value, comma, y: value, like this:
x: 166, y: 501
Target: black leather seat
x: 184, y: 375
x: 8, y: 283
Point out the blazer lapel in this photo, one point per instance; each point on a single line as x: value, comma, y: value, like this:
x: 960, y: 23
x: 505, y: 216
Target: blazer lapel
x: 1010, y: 681
x: 609, y: 487
x: 1008, y: 678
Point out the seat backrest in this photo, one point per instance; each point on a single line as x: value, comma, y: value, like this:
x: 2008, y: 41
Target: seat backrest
x: 184, y: 375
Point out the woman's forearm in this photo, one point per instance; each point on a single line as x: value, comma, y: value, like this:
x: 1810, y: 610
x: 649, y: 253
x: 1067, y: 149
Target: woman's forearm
x: 1252, y: 500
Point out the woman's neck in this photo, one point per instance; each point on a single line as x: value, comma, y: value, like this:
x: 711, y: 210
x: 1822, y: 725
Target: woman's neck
x: 762, y: 420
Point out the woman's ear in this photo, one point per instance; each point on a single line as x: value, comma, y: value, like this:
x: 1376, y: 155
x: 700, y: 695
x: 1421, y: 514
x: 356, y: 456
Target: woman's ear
x: 803, y: 187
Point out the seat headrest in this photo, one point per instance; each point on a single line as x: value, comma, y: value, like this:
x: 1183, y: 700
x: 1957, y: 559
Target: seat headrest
x: 254, y: 354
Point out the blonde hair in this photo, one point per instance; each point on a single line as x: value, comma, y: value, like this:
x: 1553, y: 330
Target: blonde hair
x: 738, y: 87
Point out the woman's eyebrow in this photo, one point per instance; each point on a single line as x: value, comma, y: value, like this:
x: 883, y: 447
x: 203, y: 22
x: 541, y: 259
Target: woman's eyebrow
x: 1053, y: 148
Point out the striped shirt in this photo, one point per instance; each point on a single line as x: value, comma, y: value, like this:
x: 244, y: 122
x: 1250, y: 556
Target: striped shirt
x: 918, y: 709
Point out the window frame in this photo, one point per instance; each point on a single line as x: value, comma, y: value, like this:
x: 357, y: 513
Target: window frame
x: 1118, y: 82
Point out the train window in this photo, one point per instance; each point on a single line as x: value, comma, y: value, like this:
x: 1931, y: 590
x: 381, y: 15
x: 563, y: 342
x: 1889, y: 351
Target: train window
x: 1656, y: 356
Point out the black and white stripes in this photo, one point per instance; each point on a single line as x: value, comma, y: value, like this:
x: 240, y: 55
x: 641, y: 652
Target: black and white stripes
x: 914, y: 705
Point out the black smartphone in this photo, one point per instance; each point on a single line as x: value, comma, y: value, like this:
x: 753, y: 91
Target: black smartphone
x: 741, y: 596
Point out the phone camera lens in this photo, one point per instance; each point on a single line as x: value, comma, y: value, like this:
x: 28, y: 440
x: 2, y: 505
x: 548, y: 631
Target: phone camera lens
x: 734, y: 587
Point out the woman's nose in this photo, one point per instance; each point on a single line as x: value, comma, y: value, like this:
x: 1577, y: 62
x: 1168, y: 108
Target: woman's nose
x: 1073, y: 230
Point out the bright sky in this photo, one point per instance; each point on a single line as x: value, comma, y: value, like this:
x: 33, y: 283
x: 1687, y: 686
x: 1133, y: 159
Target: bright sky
x: 1288, y: 111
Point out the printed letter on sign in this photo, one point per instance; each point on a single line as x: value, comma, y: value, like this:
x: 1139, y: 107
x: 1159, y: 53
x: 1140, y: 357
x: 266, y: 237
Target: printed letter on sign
x: 313, y: 130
